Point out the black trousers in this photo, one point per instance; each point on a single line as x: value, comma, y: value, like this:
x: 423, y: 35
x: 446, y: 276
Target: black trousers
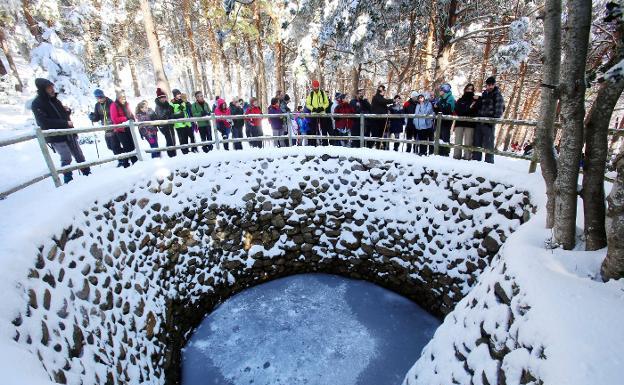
x: 327, y: 128
x: 185, y: 134
x: 205, y: 133
x: 355, y: 131
x: 376, y: 130
x: 483, y: 137
x: 314, y: 129
x: 237, y: 133
x: 410, y: 134
x: 445, y: 135
x: 127, y: 145
x: 427, y: 135
x: 170, y: 140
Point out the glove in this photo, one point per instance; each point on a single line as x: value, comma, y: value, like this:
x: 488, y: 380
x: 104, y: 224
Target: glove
x: 92, y: 116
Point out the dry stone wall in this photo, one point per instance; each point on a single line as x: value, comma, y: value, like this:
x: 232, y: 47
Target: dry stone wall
x: 113, y: 298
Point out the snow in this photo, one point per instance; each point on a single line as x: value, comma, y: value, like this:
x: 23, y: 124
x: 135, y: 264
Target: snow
x: 574, y: 316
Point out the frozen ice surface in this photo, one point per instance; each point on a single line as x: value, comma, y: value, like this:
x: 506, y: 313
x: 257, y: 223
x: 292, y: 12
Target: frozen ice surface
x: 308, y: 329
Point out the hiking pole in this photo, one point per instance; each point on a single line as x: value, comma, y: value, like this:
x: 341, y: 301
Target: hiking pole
x: 96, y: 140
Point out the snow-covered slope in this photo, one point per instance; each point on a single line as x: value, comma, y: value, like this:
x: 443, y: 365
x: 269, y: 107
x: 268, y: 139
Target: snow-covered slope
x: 140, y: 225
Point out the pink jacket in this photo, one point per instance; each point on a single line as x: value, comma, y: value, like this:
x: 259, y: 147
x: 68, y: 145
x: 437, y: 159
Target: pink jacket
x: 118, y: 116
x: 220, y: 111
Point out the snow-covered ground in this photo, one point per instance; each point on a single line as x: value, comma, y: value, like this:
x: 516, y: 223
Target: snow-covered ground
x: 573, y: 315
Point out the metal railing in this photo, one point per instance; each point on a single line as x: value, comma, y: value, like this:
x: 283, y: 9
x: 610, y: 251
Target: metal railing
x: 289, y: 139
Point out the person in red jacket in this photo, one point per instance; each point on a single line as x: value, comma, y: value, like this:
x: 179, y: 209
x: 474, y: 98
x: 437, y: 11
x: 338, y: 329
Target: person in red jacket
x: 223, y: 125
x: 255, y: 124
x: 344, y: 125
x: 120, y: 112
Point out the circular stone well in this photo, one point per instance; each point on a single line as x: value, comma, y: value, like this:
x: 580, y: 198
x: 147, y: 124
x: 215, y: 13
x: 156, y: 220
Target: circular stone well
x: 113, y: 298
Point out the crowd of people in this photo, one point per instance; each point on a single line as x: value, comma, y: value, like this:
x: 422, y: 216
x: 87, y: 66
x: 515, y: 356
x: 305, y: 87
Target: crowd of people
x: 50, y: 113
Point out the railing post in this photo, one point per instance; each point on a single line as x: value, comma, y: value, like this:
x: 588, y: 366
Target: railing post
x: 47, y: 157
x: 289, y: 128
x: 436, y: 135
x: 215, y: 134
x: 362, y: 144
x: 135, y: 139
x: 533, y: 164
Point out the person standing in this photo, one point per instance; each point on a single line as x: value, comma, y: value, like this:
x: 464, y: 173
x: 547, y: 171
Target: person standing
x: 424, y: 126
x: 164, y: 111
x: 379, y: 105
x: 396, y: 125
x: 101, y: 113
x: 317, y: 102
x: 51, y: 114
x: 120, y: 113
x: 180, y: 111
x: 150, y: 133
x: 445, y: 104
x: 360, y: 105
x: 492, y: 105
x: 409, y: 107
x: 277, y: 124
x: 189, y: 113
x: 255, y: 124
x: 344, y: 125
x: 466, y: 106
x: 200, y: 109
x: 223, y: 125
x: 237, y: 124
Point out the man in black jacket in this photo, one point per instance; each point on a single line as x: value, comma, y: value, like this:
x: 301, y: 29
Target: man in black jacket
x: 492, y: 105
x: 51, y: 114
x: 361, y: 106
x: 410, y: 130
x: 164, y: 111
x: 379, y: 105
x: 101, y: 113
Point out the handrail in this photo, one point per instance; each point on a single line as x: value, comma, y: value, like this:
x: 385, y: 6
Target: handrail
x: 288, y: 139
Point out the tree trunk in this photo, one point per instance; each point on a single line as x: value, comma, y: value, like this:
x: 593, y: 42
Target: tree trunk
x: 445, y: 47
x: 523, y: 68
x: 280, y: 73
x: 429, y: 62
x: 486, y: 59
x: 186, y: 8
x: 548, y: 103
x: 596, y: 147
x: 355, y: 78
x: 133, y: 74
x: 205, y: 87
x: 33, y: 27
x: 5, y: 48
x: 572, y: 113
x: 613, y: 265
x: 262, y: 81
x: 154, y: 48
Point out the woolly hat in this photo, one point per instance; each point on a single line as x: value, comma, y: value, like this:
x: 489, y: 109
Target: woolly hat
x: 445, y: 87
x: 414, y: 95
x: 120, y: 93
x: 316, y: 84
x: 160, y: 92
x: 98, y: 93
x: 286, y: 98
x: 491, y: 80
x: 337, y: 95
x: 176, y: 92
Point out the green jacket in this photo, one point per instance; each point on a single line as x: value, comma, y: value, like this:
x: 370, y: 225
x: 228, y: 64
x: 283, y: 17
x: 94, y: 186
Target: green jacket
x: 179, y: 112
x: 198, y: 111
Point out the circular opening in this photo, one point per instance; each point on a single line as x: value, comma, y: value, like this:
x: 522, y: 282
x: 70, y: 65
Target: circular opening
x: 308, y: 329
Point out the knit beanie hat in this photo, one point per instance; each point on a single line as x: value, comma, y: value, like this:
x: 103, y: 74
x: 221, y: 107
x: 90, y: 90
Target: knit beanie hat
x: 316, y: 84
x: 491, y: 80
x: 98, y: 93
x: 414, y: 95
x: 445, y: 87
x: 176, y: 92
x: 160, y: 92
